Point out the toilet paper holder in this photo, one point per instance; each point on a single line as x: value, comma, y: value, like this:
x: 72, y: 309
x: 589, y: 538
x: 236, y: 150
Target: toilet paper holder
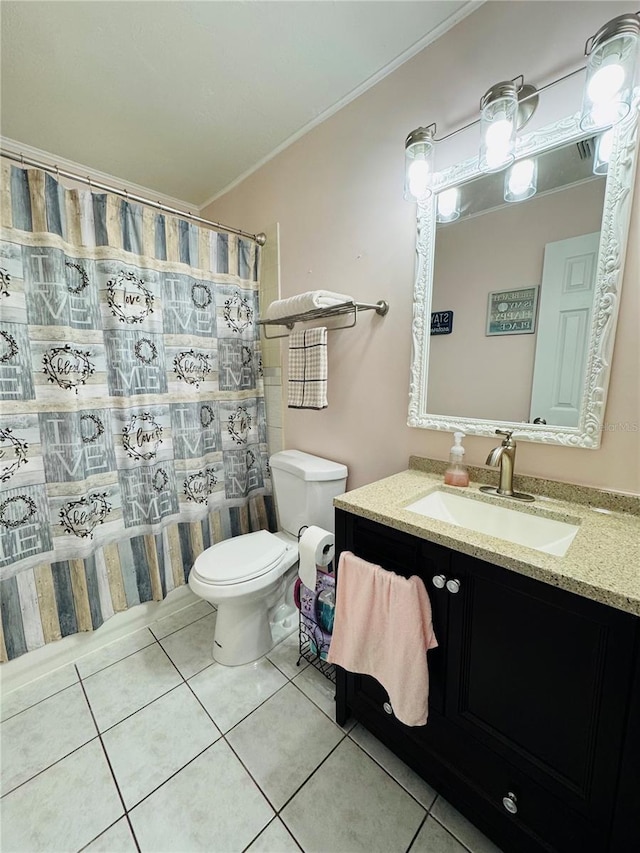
x: 314, y: 638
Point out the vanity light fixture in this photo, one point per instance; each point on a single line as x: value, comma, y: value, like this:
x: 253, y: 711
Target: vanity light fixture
x: 610, y: 90
x: 448, y: 209
x: 611, y: 68
x: 504, y: 109
x: 418, y: 162
x: 604, y: 146
x: 521, y: 180
x: 498, y: 114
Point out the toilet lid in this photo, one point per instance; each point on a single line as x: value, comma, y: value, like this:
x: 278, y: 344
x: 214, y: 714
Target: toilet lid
x: 241, y: 558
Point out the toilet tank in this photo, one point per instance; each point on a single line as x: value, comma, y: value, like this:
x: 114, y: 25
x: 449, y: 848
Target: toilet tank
x: 304, y: 488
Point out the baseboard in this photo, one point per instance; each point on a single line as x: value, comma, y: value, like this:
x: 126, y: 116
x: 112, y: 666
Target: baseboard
x: 32, y: 665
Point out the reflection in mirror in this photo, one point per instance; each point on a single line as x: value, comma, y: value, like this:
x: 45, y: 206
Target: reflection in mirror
x: 521, y: 297
x: 522, y: 367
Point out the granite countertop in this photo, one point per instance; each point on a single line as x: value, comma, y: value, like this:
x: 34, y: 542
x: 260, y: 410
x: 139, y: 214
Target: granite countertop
x: 602, y: 563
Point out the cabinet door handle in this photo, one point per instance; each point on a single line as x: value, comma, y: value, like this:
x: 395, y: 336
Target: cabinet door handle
x: 453, y: 586
x: 439, y: 581
x: 387, y: 708
x: 510, y: 802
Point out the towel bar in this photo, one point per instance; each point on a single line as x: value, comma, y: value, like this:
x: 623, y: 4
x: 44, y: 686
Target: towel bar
x: 380, y: 308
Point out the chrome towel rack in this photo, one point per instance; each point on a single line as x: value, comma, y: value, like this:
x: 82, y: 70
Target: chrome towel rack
x: 342, y: 308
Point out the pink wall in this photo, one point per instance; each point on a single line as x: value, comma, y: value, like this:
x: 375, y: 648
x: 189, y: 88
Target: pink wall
x: 470, y: 262
x: 337, y: 194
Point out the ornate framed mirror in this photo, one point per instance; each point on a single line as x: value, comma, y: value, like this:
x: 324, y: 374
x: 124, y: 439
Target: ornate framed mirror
x: 525, y: 295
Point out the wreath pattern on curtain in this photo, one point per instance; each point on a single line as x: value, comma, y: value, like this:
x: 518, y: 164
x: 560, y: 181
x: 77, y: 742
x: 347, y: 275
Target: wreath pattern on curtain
x: 132, y: 427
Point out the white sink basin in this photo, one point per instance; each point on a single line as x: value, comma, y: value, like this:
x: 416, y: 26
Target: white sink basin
x: 501, y: 522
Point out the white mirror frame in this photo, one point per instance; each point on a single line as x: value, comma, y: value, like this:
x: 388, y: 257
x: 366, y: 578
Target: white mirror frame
x: 613, y: 240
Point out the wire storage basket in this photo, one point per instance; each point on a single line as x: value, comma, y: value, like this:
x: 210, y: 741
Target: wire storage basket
x: 316, y: 623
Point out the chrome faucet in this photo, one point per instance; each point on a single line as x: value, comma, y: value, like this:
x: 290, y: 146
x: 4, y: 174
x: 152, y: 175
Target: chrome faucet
x: 505, y: 456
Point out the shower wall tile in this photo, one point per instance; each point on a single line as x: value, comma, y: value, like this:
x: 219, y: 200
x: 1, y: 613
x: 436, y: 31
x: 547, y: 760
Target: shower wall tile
x: 271, y: 349
x: 273, y: 376
x: 275, y: 439
x: 273, y: 400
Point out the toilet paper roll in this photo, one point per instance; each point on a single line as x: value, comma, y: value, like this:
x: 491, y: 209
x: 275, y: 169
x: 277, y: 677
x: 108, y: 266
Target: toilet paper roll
x: 315, y: 548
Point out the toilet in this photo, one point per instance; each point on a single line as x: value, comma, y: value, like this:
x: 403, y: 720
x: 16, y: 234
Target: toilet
x: 250, y: 578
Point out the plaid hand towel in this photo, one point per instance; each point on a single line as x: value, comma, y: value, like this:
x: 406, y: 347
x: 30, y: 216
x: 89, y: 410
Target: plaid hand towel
x: 308, y: 369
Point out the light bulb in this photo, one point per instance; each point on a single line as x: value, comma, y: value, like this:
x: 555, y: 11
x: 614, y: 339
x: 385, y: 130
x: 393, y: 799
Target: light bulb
x: 611, y: 70
x: 520, y: 176
x: 604, y: 113
x: 498, y: 142
x: 606, y: 83
x: 499, y: 133
x: 521, y: 181
x: 419, y: 175
x: 448, y: 201
x: 448, y: 205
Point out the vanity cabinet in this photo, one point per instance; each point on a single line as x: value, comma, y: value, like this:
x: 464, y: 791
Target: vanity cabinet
x: 529, y: 701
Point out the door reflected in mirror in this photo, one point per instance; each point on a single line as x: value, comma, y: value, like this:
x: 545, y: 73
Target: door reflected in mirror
x: 547, y: 241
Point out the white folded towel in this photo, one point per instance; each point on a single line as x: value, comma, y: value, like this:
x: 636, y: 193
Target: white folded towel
x: 302, y: 302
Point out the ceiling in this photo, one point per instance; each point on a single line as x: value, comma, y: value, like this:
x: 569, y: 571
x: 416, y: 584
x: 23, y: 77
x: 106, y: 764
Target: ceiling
x: 185, y: 98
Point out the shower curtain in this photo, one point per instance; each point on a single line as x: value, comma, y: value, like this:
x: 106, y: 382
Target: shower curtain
x: 132, y: 417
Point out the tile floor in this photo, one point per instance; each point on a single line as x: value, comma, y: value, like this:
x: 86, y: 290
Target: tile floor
x: 147, y: 745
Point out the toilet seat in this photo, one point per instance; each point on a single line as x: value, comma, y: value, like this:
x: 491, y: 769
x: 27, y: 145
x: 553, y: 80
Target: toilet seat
x: 242, y: 558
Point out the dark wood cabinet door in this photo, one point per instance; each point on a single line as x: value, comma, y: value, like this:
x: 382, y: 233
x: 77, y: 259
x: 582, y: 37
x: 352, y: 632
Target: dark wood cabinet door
x: 542, y: 677
x: 531, y: 695
x: 405, y: 555
x: 434, y: 564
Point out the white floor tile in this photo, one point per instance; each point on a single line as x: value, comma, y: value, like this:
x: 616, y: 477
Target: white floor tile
x: 114, y: 652
x: 286, y: 654
x: 153, y: 744
x: 283, y: 742
x: 63, y: 808
x: 170, y: 624
x: 229, y: 693
x: 34, y: 692
x: 463, y: 829
x: 191, y: 648
x: 351, y: 804
x: 321, y: 691
x: 126, y: 686
x: 395, y: 766
x: 44, y: 733
x: 116, y: 839
x: 274, y: 839
x: 212, y: 804
x: 434, y: 838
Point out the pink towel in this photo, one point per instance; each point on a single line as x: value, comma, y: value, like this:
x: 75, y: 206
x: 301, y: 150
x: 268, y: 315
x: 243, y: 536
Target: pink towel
x: 383, y: 628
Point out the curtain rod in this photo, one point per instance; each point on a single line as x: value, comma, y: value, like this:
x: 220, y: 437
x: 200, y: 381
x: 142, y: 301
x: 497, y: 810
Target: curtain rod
x: 260, y: 239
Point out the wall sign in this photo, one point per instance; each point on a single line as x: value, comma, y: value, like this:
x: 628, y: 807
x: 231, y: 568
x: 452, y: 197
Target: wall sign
x: 441, y: 322
x: 512, y: 312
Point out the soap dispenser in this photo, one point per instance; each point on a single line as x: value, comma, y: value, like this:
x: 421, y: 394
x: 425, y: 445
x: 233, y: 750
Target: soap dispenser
x: 456, y: 473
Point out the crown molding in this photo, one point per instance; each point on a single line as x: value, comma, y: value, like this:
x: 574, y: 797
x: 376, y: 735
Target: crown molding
x: 13, y: 146
x: 389, y: 68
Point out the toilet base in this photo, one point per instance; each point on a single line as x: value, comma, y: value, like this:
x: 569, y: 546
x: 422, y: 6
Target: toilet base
x: 246, y: 633
x: 242, y: 633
